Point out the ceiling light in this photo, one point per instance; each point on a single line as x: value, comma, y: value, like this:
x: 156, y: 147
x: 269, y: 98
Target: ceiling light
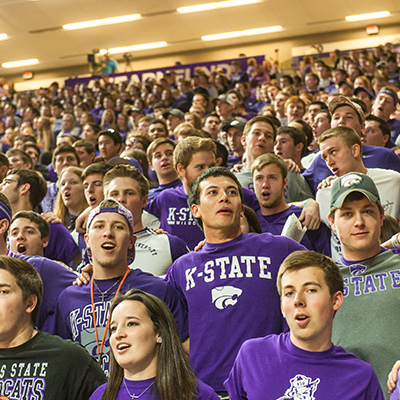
x: 3, y: 36
x: 101, y: 22
x: 363, y: 17
x: 136, y: 47
x: 248, y: 32
x: 21, y: 63
x: 213, y: 6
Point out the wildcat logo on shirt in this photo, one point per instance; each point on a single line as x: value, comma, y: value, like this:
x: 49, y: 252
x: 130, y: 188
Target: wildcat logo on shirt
x: 180, y: 216
x: 301, y: 388
x: 224, y: 296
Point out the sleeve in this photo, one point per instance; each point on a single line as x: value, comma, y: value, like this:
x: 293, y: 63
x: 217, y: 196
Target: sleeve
x: 250, y: 199
x: 308, y: 175
x: 55, y: 279
x: 61, y: 244
x: 155, y: 206
x: 234, y: 384
x: 298, y: 188
x: 179, y: 311
x: 374, y: 390
x: 60, y: 324
x: 205, y: 392
x: 178, y: 247
x: 88, y: 375
x: 98, y: 393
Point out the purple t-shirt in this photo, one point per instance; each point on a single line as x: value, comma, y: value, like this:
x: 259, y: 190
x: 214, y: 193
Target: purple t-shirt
x: 272, y: 368
x: 55, y: 279
x: 230, y: 291
x: 137, y: 387
x: 373, y: 157
x: 61, y: 245
x: 172, y: 209
x: 394, y: 128
x: 74, y: 317
x: 156, y: 191
x: 318, y: 240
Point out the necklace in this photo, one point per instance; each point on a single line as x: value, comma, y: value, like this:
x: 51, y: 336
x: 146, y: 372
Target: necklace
x: 100, y: 347
x: 134, y: 396
x: 104, y: 294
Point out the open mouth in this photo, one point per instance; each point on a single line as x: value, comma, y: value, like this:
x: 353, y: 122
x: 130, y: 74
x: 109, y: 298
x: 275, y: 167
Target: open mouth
x: 122, y: 346
x: 21, y: 248
x: 108, y: 246
x: 92, y: 201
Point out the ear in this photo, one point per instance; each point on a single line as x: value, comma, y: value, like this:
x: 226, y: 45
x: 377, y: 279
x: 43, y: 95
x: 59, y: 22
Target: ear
x: 145, y: 200
x: 24, y: 189
x: 30, y: 304
x: 4, y: 225
x: 337, y: 300
x: 87, y: 240
x: 356, y: 149
x: 132, y: 240
x: 243, y: 140
x: 299, y: 147
x: 242, y: 212
x: 284, y: 316
x: 196, y: 211
x: 151, y: 166
x: 332, y: 223
x: 181, y: 171
x: 45, y: 242
x: 285, y: 182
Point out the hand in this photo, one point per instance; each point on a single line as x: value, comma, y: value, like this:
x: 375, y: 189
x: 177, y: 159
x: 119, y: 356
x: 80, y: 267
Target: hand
x: 237, y: 168
x: 309, y: 217
x: 159, y: 231
x: 81, y: 221
x: 84, y: 276
x: 51, y: 218
x: 392, y: 377
x: 64, y: 265
x: 292, y: 166
x: 326, y: 182
x: 200, y: 245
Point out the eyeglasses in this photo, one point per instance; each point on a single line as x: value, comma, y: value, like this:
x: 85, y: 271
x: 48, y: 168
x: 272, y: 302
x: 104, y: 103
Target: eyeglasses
x: 132, y: 142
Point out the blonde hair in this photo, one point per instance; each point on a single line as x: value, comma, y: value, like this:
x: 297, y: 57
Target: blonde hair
x: 185, y: 149
x: 60, y: 209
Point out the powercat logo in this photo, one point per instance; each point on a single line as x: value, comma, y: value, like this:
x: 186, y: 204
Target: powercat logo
x: 224, y: 296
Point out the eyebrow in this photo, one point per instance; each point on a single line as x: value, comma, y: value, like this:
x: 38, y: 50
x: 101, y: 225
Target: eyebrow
x: 311, y: 283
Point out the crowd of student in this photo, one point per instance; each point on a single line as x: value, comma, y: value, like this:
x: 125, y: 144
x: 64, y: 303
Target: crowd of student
x: 120, y: 183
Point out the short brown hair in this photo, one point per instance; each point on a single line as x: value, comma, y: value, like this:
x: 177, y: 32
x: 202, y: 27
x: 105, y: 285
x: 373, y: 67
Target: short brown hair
x: 158, y: 142
x: 349, y: 135
x: 259, y: 118
x: 185, y: 149
x: 127, y: 171
x: 27, y: 278
x: 303, y: 259
x: 266, y: 159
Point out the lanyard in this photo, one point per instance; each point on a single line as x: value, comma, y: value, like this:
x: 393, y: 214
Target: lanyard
x: 100, y: 348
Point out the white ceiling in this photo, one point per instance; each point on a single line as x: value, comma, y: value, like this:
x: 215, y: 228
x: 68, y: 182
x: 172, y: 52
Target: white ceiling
x: 34, y: 27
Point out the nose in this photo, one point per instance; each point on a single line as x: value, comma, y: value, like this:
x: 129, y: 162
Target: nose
x: 299, y: 300
x: 20, y: 236
x: 119, y: 332
x: 121, y: 199
x: 359, y: 220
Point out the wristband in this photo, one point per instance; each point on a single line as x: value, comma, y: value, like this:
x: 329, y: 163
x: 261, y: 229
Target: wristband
x: 395, y: 243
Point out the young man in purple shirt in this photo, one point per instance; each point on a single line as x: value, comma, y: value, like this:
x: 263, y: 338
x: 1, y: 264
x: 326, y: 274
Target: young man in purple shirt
x: 83, y: 311
x: 270, y: 179
x: 54, y: 276
x: 303, y: 363
x: 160, y: 154
x: 192, y: 156
x: 229, y: 285
x: 25, y: 189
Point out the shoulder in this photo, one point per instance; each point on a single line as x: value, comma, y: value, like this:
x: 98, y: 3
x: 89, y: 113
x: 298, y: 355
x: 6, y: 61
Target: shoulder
x: 98, y: 393
x: 205, y: 392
